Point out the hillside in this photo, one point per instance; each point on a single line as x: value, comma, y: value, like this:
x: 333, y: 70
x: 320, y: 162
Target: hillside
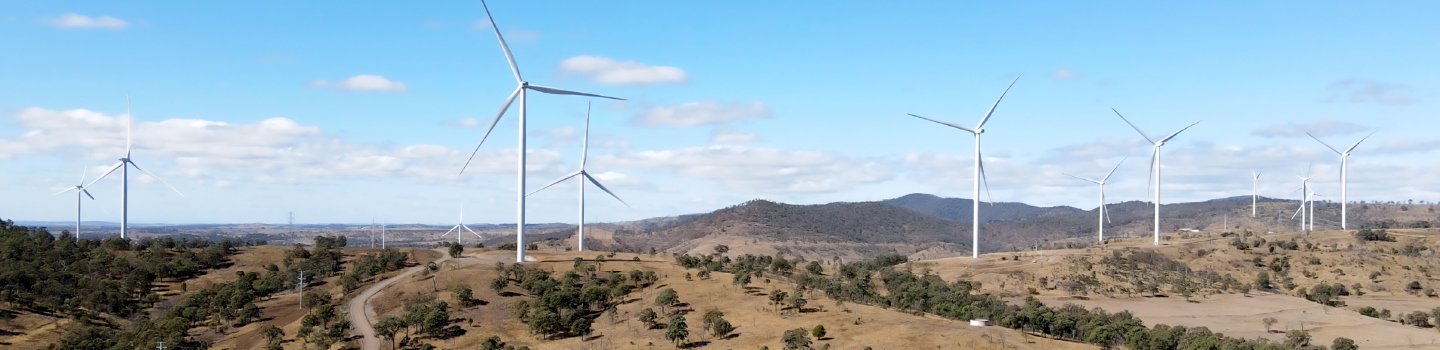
x: 959, y: 209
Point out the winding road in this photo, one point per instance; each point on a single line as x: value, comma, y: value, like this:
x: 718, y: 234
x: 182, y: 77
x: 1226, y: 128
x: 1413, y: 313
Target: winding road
x: 360, y: 311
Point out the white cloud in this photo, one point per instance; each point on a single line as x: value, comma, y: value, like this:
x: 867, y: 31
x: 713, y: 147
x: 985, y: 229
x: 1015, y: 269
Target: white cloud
x: 71, y: 20
x: 1064, y: 74
x: 1320, y: 128
x: 609, y: 71
x: 1360, y: 90
x: 362, y: 82
x: 699, y: 113
x: 274, y: 149
x: 759, y: 170
x: 463, y: 123
x: 726, y: 135
x: 1409, y: 146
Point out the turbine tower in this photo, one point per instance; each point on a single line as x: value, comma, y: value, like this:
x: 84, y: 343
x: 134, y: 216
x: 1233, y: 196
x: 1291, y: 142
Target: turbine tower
x: 1254, y: 191
x: 979, y: 169
x: 1104, y: 216
x: 79, y: 191
x: 461, y: 225
x: 1344, y: 170
x: 1154, y: 165
x: 1305, y: 198
x: 584, y: 146
x: 125, y: 175
x: 520, y: 91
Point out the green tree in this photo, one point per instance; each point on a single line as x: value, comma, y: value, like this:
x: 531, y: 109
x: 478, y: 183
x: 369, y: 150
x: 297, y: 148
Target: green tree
x: 677, y: 331
x: 499, y: 283
x: 1269, y: 322
x: 1343, y: 343
x: 463, y: 295
x: 456, y: 250
x: 272, y: 333
x: 777, y: 297
x: 1262, y: 281
x: 1297, y: 338
x: 818, y: 332
x: 796, y: 339
x: 814, y: 268
x: 648, y: 317
x: 797, y: 301
x: 666, y: 299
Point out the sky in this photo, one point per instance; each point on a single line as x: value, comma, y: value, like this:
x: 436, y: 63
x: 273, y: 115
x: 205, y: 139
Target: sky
x: 347, y: 112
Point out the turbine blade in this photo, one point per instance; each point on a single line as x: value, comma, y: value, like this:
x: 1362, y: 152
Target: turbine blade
x: 83, y: 173
x: 1082, y: 178
x: 1326, y: 144
x: 1150, y: 180
x: 467, y: 228
x: 1132, y: 125
x: 1297, y: 210
x: 1357, y: 143
x: 147, y: 172
x: 944, y: 123
x: 129, y: 119
x: 554, y: 91
x: 87, y: 193
x: 986, y: 181
x: 66, y: 190
x: 514, y: 68
x: 1257, y: 175
x: 1167, y: 138
x: 452, y: 229
x: 107, y: 173
x: 501, y: 113
x: 981, y: 124
x: 566, y: 177
x: 1112, y: 170
x: 602, y: 188
x: 1103, y: 208
x: 585, y: 140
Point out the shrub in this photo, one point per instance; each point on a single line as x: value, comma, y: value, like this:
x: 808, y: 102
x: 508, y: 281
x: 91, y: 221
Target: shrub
x: 795, y: 339
x: 1368, y: 235
x: 818, y: 332
x: 1343, y: 343
x: 1369, y: 311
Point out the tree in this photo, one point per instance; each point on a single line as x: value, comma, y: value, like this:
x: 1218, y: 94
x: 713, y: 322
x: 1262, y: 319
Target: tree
x: 249, y: 313
x: 648, y: 317
x: 1262, y: 281
x: 1343, y: 343
x: 813, y: 267
x: 1297, y: 338
x: 387, y: 327
x: 742, y: 278
x: 499, y: 283
x: 463, y: 295
x: 1418, y: 319
x: 796, y: 339
x: 456, y: 250
x: 677, y: 331
x: 797, y: 301
x: 722, y: 249
x: 272, y: 333
x: 666, y: 299
x: 818, y: 332
x: 1269, y: 322
x: 776, y: 297
x: 721, y: 328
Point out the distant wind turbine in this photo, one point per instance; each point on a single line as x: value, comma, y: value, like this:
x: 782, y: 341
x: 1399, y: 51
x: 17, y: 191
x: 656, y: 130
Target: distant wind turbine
x: 1104, y: 215
x: 520, y: 90
x: 125, y: 174
x: 585, y: 145
x: 459, y: 226
x: 1254, y: 191
x: 79, y: 190
x: 1305, y: 197
x: 979, y: 169
x: 1344, y: 170
x: 1154, y: 165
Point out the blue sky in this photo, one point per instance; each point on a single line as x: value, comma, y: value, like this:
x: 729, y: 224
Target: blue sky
x: 346, y: 111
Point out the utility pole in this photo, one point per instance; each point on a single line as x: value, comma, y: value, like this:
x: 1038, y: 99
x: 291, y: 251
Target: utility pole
x: 300, y: 289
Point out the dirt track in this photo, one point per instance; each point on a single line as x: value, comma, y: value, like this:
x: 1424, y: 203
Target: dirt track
x: 360, y: 306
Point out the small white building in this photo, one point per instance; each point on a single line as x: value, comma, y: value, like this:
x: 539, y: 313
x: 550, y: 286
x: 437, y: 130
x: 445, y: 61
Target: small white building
x: 980, y: 322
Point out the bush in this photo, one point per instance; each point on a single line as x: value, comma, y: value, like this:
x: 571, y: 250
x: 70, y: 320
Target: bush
x: 1418, y: 319
x: 1368, y: 235
x: 1369, y: 311
x: 818, y: 332
x: 1343, y: 343
x: 795, y: 339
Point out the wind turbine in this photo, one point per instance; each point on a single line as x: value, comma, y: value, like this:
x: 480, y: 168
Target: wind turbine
x: 584, y: 146
x: 1254, y: 191
x: 1104, y: 216
x: 520, y: 91
x: 125, y: 174
x: 1305, y: 200
x: 1154, y: 165
x: 1344, y: 170
x: 79, y: 190
x: 459, y: 226
x: 382, y: 235
x: 979, y: 169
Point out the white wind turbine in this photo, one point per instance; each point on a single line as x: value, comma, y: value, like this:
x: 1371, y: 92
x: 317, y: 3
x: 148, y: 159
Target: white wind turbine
x: 979, y: 169
x: 79, y: 191
x: 459, y: 226
x: 585, y: 145
x: 1305, y: 198
x: 1344, y: 170
x: 125, y: 175
x: 1104, y: 215
x: 520, y: 91
x: 1254, y: 191
x: 1154, y: 165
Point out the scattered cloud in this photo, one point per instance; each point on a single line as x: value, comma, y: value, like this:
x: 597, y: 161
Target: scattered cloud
x: 760, y: 170
x: 700, y: 113
x: 726, y: 135
x: 1320, y: 128
x: 1360, y: 91
x: 1409, y: 146
x: 1064, y: 74
x: 362, y: 82
x: 463, y: 123
x: 71, y: 20
x: 604, y: 70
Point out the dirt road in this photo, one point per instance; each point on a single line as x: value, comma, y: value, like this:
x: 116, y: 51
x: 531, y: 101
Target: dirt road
x: 360, y: 307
